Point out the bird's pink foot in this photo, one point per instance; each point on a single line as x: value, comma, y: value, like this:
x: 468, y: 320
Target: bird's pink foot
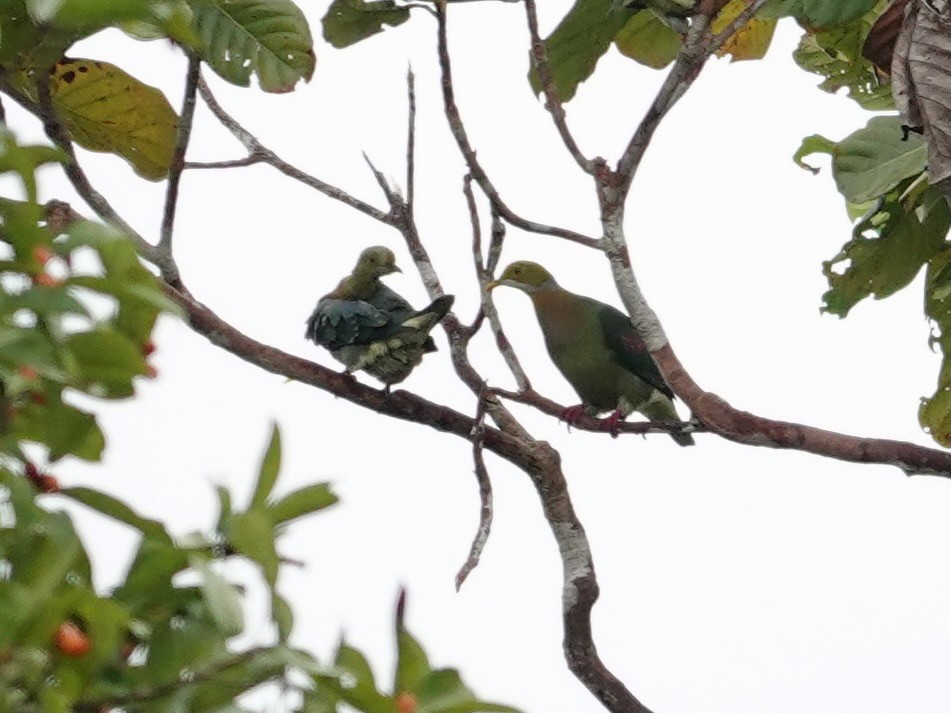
x: 612, y: 423
x: 571, y: 415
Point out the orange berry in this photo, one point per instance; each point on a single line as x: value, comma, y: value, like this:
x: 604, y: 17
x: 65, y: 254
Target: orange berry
x: 150, y: 372
x: 28, y: 372
x: 42, y: 254
x: 71, y: 640
x: 406, y: 703
x: 45, y: 280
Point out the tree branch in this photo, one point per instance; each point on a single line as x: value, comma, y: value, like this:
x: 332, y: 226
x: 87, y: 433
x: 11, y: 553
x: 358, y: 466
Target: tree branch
x: 484, y: 275
x: 258, y: 153
x: 468, y: 153
x: 178, y: 156
x: 485, y: 498
x: 552, y: 103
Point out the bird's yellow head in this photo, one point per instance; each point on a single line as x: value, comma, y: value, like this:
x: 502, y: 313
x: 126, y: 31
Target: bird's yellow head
x: 525, y: 276
x: 375, y: 262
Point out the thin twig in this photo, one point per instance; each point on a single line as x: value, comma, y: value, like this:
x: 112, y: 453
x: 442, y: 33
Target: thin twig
x: 411, y: 141
x: 485, y: 497
x: 483, y: 275
x: 465, y: 147
x: 258, y: 153
x: 552, y: 102
x: 234, y: 163
x: 178, y: 155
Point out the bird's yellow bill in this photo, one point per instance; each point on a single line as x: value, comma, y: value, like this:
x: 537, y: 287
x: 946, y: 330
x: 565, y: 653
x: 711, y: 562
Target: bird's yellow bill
x: 492, y: 285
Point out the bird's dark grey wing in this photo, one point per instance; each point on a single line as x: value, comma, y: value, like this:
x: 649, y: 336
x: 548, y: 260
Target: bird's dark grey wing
x: 340, y: 323
x: 386, y: 300
x: 629, y: 349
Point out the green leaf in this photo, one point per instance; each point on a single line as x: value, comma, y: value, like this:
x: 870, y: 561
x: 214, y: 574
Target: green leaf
x: 268, y: 38
x: 24, y: 160
x: 107, y: 110
x: 358, y: 687
x: 282, y: 615
x: 820, y: 13
x: 903, y: 238
x: 46, y: 302
x: 269, y: 470
x: 934, y: 414
x: 350, y: 21
x: 20, y: 345
x: 444, y: 692
x: 647, y: 40
x: 64, y: 429
x: 412, y: 664
x: 223, y: 599
x: 252, y: 534
x: 302, y: 502
x: 117, y: 510
x: 812, y: 145
x: 871, y: 161
x: 578, y: 42
x: 107, y: 361
x: 88, y: 14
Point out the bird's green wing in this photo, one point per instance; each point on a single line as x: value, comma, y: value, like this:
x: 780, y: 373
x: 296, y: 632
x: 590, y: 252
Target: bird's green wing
x: 628, y: 349
x: 341, y: 323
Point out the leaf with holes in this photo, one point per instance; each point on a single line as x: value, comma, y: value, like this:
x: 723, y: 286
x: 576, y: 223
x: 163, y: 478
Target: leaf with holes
x: 107, y: 110
x: 888, y: 249
x: 267, y: 38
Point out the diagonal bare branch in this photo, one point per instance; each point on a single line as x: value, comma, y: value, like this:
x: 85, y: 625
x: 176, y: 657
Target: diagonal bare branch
x: 258, y: 153
x: 178, y: 156
x: 552, y: 103
x: 484, y: 275
x: 472, y: 162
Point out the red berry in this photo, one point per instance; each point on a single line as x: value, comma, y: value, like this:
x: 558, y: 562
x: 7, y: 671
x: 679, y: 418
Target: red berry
x: 71, y: 640
x: 148, y: 348
x: 47, y: 483
x: 150, y: 371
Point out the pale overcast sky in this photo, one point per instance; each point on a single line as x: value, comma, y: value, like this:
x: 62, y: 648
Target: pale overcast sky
x: 734, y: 579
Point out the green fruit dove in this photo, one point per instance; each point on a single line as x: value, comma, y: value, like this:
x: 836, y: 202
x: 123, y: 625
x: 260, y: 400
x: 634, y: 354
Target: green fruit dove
x: 597, y: 350
x: 368, y: 327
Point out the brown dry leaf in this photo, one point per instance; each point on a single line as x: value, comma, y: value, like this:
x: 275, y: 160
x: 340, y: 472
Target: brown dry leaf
x: 921, y: 79
x: 880, y: 43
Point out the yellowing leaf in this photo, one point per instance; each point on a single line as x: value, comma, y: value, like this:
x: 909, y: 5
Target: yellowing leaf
x: 749, y: 42
x: 107, y: 110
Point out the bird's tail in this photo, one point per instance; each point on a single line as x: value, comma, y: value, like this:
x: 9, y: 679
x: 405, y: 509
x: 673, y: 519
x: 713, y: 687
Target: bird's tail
x: 430, y: 316
x: 663, y: 410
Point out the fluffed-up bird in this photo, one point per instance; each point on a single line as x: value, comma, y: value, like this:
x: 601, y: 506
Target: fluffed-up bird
x: 369, y: 327
x: 597, y: 350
